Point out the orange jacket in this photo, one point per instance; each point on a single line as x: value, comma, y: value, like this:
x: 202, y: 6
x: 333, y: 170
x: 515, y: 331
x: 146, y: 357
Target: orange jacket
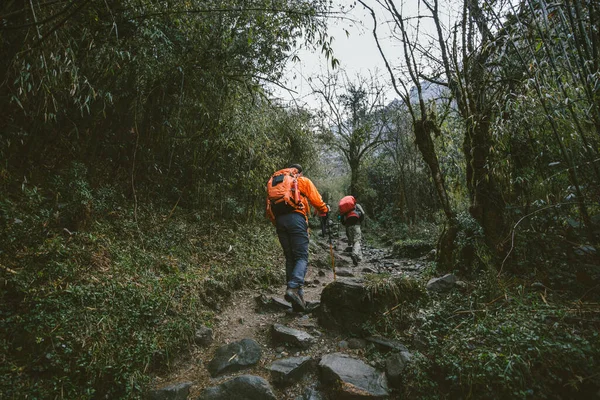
x: 310, y: 194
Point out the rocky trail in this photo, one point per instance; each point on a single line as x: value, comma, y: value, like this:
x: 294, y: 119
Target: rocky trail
x: 260, y: 349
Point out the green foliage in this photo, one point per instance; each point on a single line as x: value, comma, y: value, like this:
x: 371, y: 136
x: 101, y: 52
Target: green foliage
x: 92, y: 313
x: 393, y: 288
x: 412, y: 248
x: 165, y: 97
x: 399, y: 296
x: 520, y: 344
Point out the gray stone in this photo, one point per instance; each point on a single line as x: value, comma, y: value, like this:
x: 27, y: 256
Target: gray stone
x: 355, y: 343
x: 431, y: 255
x: 385, y: 344
x: 280, y: 304
x: 442, y: 284
x: 344, y: 272
x: 178, y: 391
x: 292, y: 336
x: 310, y: 394
x: 352, y: 378
x: 234, y: 357
x: 346, y: 306
x: 272, y: 303
x: 420, y: 342
x: 290, y: 370
x: 243, y: 387
x: 204, y: 336
x: 395, y: 365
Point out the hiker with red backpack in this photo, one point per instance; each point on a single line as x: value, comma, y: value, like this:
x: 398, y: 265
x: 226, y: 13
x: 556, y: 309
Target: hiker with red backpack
x: 288, y: 197
x: 351, y: 215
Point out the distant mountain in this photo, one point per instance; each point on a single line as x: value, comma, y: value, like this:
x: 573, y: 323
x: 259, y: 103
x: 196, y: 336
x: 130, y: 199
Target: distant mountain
x: 431, y: 91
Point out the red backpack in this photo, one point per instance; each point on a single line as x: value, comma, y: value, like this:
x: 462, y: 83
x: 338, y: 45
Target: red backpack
x: 283, y: 193
x: 348, y: 211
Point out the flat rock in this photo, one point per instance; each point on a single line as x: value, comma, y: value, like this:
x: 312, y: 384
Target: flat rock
x: 385, y: 344
x: 442, y: 284
x: 352, y: 378
x: 243, y: 387
x: 280, y: 303
x: 178, y: 391
x: 355, y: 343
x: 295, y: 337
x: 290, y: 370
x: 234, y: 357
x: 344, y: 272
x: 272, y: 303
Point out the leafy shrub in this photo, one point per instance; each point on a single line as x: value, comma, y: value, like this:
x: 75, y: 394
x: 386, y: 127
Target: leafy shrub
x: 91, y: 314
x: 412, y: 248
x: 522, y: 344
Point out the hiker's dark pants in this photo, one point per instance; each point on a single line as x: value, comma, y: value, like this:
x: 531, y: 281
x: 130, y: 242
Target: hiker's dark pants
x: 292, y: 230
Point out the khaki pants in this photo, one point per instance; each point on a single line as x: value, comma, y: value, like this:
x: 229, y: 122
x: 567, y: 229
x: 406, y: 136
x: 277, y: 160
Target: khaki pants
x: 354, y: 237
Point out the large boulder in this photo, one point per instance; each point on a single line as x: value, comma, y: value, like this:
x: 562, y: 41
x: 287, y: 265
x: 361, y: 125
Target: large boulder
x: 243, y: 387
x: 351, y: 378
x: 234, y: 357
x: 345, y: 306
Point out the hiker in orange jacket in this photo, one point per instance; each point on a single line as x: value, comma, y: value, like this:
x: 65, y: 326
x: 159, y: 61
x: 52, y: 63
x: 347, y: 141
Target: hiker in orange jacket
x: 291, y: 222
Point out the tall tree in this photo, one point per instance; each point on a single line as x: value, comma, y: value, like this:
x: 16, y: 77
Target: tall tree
x: 153, y: 88
x: 424, y: 124
x: 352, y: 122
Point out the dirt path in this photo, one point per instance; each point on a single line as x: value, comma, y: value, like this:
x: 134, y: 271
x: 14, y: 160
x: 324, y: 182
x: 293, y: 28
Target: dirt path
x: 242, y: 317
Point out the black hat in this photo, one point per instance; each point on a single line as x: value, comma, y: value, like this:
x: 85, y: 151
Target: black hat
x: 297, y: 166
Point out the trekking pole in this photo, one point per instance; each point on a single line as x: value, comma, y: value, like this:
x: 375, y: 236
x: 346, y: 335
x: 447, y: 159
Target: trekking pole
x: 331, y: 250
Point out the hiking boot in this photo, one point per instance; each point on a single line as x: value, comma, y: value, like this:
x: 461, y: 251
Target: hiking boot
x: 354, y: 259
x: 293, y: 296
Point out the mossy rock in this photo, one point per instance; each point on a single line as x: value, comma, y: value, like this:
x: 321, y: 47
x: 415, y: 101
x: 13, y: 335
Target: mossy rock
x: 412, y: 248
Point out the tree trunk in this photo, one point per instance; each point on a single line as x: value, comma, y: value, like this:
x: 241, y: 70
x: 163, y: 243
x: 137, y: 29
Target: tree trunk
x: 446, y: 244
x: 487, y: 203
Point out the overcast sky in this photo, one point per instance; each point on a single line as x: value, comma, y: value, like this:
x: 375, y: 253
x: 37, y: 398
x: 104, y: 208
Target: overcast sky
x: 357, y: 54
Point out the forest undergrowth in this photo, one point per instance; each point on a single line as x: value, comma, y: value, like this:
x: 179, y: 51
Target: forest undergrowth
x: 92, y: 312
x: 95, y: 312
